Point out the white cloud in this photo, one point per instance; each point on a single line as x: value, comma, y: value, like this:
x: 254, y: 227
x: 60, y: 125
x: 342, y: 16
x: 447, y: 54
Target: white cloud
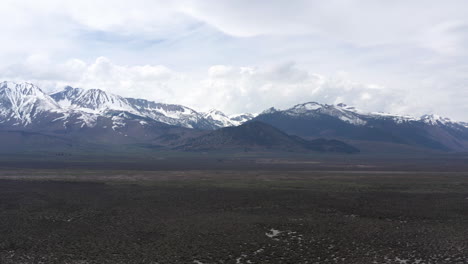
x: 229, y: 88
x: 416, y: 52
x: 361, y: 22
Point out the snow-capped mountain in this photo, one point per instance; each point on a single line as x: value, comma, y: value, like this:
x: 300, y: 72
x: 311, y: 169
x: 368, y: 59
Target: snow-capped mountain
x: 341, y: 121
x: 23, y: 104
x: 355, y: 116
x: 103, y: 103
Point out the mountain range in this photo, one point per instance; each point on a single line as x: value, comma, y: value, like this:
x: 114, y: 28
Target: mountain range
x: 312, y: 120
x: 94, y: 116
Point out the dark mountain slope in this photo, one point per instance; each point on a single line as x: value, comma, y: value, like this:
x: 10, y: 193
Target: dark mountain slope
x: 260, y: 136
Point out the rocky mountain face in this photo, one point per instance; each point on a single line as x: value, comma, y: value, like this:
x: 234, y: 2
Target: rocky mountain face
x: 312, y: 120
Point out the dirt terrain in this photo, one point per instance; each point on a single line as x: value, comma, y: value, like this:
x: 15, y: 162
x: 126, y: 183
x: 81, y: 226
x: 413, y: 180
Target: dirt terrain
x: 233, y: 216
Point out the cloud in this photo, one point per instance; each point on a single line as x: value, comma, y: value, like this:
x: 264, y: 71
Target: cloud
x: 229, y: 88
x: 355, y: 21
x: 230, y: 54
x: 360, y: 22
x: 254, y: 89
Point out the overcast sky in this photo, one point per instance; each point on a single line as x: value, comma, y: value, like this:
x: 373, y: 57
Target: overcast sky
x: 408, y: 57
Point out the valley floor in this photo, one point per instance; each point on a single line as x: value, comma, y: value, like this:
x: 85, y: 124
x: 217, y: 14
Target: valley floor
x: 232, y: 216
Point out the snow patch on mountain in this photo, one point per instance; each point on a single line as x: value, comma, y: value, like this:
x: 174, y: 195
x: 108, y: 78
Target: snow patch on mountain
x: 239, y: 119
x: 313, y: 109
x: 118, y: 122
x: 222, y: 120
x: 400, y: 119
x: 88, y: 119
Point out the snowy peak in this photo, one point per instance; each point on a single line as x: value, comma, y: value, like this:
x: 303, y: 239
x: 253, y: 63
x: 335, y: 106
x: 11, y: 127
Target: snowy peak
x: 221, y: 120
x: 313, y: 109
x: 22, y: 88
x: 171, y: 114
x: 21, y: 103
x: 218, y: 118
x: 435, y: 120
x: 92, y: 99
x: 325, y: 108
x: 99, y: 100
x: 355, y: 116
x: 345, y: 112
x: 239, y: 119
x: 150, y: 108
x: 214, y: 112
x: 64, y: 97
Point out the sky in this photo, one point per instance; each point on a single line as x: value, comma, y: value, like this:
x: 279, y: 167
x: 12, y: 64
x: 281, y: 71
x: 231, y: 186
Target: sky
x: 404, y: 57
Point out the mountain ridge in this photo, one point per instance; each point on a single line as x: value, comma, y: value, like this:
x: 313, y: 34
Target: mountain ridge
x: 311, y: 120
x: 72, y: 111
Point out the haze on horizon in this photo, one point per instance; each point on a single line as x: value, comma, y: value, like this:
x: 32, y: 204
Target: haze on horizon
x: 245, y: 56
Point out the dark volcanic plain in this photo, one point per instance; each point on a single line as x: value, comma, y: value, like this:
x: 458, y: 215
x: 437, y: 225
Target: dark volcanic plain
x: 314, y: 209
